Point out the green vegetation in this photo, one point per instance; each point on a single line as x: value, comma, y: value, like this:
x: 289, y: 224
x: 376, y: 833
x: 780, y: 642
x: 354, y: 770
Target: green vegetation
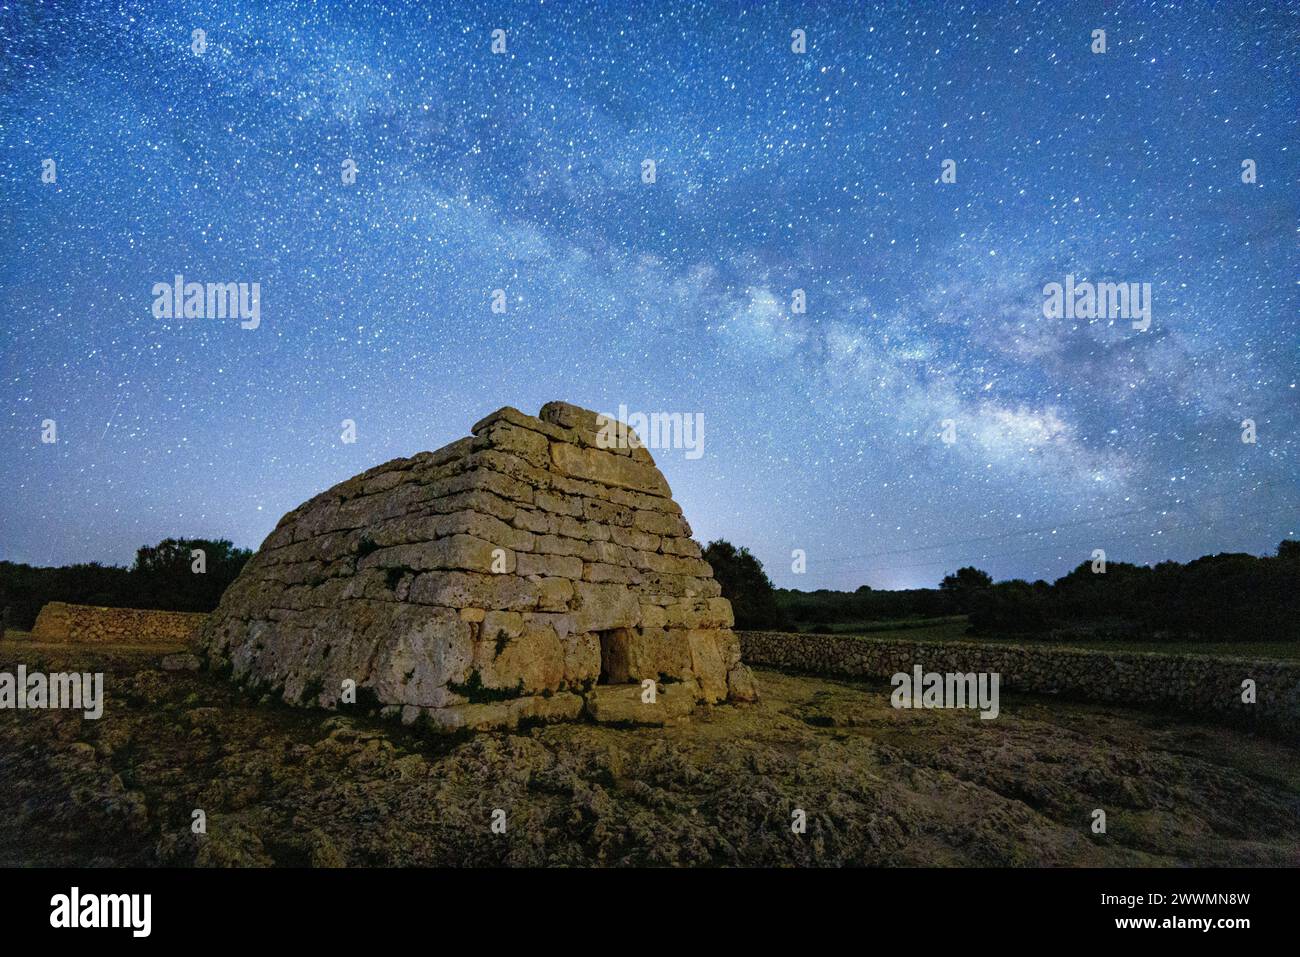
x: 162, y: 577
x: 746, y: 586
x: 474, y: 690
x: 958, y: 629
x: 812, y: 610
x: 394, y: 575
x: 941, y: 627
x: 1230, y: 597
x: 1228, y: 600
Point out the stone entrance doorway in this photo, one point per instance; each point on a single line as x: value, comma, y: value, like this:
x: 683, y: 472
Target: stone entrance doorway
x: 614, y: 657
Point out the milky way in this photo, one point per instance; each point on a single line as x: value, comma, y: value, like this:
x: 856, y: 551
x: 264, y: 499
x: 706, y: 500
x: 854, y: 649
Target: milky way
x: 922, y: 413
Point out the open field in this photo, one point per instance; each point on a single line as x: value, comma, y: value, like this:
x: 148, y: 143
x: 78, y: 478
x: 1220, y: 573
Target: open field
x: 954, y: 629
x: 880, y: 786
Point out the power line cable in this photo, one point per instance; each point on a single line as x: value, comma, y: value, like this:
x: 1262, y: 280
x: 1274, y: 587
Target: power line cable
x: 1041, y: 529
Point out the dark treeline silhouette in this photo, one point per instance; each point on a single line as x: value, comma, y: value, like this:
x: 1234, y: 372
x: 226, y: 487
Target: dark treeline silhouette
x: 746, y: 586
x: 162, y: 577
x: 826, y: 607
x: 1225, y: 597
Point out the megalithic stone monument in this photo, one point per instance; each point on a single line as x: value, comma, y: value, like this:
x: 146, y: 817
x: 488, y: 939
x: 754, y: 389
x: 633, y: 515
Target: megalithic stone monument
x: 534, y: 570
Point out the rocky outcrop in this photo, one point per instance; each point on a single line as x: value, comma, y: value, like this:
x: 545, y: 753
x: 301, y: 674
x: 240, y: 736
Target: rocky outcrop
x: 59, y: 622
x: 498, y: 579
x: 1202, y: 686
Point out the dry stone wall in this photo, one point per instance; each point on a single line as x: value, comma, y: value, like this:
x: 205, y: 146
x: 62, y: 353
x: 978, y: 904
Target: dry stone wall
x: 510, y: 575
x: 92, y: 624
x: 1200, y: 686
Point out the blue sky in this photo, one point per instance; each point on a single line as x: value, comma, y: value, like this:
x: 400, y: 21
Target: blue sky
x: 775, y: 171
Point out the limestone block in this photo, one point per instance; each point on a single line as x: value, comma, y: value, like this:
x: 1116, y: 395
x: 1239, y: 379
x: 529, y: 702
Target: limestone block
x: 576, y: 528
x: 625, y: 704
x: 634, y: 538
x: 182, y: 661
x: 660, y: 523
x: 602, y: 606
x: 467, y: 590
x: 581, y: 658
x: 606, y: 552
x: 687, y: 547
x: 741, y: 685
x: 515, y: 417
x: 456, y: 552
x: 600, y: 572
x: 561, y: 706
x: 595, y: 510
x: 653, y: 616
x: 559, y: 504
x: 423, y: 657
x: 606, y: 468
x: 569, y: 416
x: 700, y: 613
x: 531, y: 520
x: 486, y: 527
x: 549, y: 566
x: 554, y: 594
x: 486, y: 479
x: 533, y: 661
x: 532, y: 447
x: 558, y: 545
x: 473, y: 500
x: 501, y: 624
x: 706, y: 663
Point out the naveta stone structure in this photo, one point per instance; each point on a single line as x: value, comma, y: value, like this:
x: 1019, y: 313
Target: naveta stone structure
x: 525, y: 572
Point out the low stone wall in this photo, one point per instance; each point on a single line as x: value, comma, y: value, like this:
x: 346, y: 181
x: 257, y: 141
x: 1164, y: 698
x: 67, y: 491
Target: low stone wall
x: 1197, y: 685
x: 91, y: 624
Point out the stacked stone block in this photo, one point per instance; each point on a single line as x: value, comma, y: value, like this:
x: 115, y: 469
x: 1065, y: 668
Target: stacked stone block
x: 515, y: 574
x: 1203, y: 686
x: 93, y: 624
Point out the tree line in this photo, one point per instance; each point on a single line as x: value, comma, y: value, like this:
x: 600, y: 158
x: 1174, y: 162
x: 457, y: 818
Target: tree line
x: 163, y: 576
x: 1225, y: 597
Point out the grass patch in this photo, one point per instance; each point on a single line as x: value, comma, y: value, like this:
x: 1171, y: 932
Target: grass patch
x: 474, y: 690
x: 954, y: 629
x: 863, y: 627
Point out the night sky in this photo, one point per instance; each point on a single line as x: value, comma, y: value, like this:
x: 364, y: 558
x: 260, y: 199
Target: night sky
x: 775, y: 171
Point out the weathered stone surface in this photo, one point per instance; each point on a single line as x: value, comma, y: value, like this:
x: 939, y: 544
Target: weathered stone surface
x: 603, y: 606
x: 554, y: 594
x: 741, y: 685
x: 489, y: 582
x: 581, y: 658
x: 418, y: 660
x: 550, y: 566
x: 1207, y: 687
x: 606, y: 468
x: 634, y: 654
x: 531, y: 661
x: 530, y: 446
x: 91, y: 624
x: 706, y: 661
x: 182, y: 661
x: 625, y: 704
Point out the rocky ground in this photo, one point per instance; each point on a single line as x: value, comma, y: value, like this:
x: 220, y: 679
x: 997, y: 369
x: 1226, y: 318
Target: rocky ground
x: 880, y: 787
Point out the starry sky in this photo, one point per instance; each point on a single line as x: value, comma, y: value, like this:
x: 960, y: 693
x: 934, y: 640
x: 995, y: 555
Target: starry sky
x: 774, y: 171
